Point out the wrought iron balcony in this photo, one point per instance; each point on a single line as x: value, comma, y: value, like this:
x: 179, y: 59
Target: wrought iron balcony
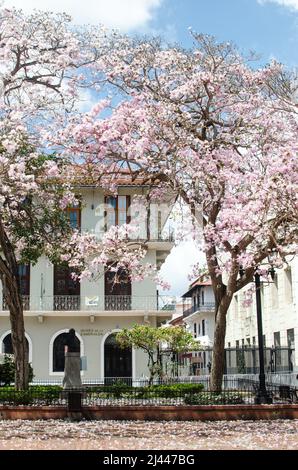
x: 66, y: 302
x: 25, y: 299
x: 117, y: 302
x: 97, y: 303
x: 206, y: 307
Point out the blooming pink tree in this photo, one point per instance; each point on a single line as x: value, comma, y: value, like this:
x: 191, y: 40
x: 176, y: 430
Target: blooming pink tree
x: 115, y: 251
x: 32, y: 222
x: 220, y: 134
x: 43, y: 63
x: 39, y: 58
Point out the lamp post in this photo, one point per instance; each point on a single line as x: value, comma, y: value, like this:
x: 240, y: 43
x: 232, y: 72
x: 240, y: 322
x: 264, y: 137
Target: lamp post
x: 262, y: 396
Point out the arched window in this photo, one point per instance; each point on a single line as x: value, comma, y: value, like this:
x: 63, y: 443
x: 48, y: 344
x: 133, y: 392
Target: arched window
x: 6, y: 346
x: 58, y: 352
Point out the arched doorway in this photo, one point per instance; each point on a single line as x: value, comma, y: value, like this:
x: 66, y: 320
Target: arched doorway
x: 117, y: 361
x: 58, y: 351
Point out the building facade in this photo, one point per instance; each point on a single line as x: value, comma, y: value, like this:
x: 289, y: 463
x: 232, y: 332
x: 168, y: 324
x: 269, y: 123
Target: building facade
x: 279, y: 302
x: 198, y: 316
x: 54, y: 302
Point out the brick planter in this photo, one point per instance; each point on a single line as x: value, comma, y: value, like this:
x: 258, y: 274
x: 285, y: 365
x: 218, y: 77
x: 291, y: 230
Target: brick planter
x: 154, y: 413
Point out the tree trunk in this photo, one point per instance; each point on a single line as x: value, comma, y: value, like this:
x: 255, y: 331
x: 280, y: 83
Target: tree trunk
x: 218, y: 359
x: 151, y: 368
x: 15, y: 305
x: 12, y: 295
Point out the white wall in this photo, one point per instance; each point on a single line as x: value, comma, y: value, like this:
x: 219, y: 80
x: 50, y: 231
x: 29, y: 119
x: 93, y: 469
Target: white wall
x: 279, y: 312
x: 92, y: 335
x: 197, y: 319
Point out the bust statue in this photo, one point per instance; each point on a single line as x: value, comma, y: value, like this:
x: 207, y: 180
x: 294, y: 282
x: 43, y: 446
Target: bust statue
x: 72, y: 342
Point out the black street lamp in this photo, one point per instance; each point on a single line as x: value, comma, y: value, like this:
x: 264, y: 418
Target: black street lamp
x: 262, y: 395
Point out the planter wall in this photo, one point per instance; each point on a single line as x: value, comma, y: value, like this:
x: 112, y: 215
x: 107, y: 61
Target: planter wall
x: 155, y: 413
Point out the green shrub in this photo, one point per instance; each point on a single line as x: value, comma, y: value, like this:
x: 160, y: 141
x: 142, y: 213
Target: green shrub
x: 15, y: 397
x: 45, y: 388
x: 120, y: 390
x: 175, y: 390
x: 40, y: 394
x: 46, y: 394
x: 7, y: 370
x: 212, y: 398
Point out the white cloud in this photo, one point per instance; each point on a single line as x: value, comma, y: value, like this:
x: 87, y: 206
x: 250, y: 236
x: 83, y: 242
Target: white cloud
x: 292, y: 4
x: 121, y: 14
x: 178, y: 265
x: 86, y: 100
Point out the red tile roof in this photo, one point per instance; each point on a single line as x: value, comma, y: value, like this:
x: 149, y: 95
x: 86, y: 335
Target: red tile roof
x: 197, y: 283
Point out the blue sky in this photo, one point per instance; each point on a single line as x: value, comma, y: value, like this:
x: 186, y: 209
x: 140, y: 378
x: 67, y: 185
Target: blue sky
x: 268, y: 27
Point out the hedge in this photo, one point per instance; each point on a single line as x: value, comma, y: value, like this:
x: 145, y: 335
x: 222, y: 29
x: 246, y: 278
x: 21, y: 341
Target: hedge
x: 212, y: 398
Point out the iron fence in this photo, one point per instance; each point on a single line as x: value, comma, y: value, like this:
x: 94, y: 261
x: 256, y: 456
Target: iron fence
x: 240, y: 360
x: 245, y: 360
x: 241, y: 390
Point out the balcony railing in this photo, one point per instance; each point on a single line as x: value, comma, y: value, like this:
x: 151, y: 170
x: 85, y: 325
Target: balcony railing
x: 25, y: 299
x: 165, y: 236
x: 97, y: 303
x: 118, y: 302
x: 66, y: 302
x: 206, y: 307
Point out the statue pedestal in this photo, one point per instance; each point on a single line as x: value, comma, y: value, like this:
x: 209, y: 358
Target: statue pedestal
x: 72, y: 374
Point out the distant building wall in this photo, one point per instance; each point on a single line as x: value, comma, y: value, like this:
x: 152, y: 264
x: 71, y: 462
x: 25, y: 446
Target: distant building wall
x: 279, y: 313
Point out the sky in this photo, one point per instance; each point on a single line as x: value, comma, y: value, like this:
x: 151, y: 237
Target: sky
x: 268, y: 27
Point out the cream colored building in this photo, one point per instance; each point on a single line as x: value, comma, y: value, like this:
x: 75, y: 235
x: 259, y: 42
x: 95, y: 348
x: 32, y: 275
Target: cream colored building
x: 54, y: 303
x: 199, y: 319
x: 279, y: 299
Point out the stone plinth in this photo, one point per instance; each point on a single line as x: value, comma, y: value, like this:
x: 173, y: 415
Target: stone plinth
x: 72, y: 374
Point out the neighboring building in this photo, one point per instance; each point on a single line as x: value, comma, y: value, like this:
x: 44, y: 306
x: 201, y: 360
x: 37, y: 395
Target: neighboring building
x: 54, y: 302
x: 279, y: 300
x: 176, y: 321
x: 177, y: 317
x: 199, y: 315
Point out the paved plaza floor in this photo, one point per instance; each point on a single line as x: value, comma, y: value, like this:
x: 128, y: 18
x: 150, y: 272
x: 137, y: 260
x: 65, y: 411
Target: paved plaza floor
x: 133, y: 435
